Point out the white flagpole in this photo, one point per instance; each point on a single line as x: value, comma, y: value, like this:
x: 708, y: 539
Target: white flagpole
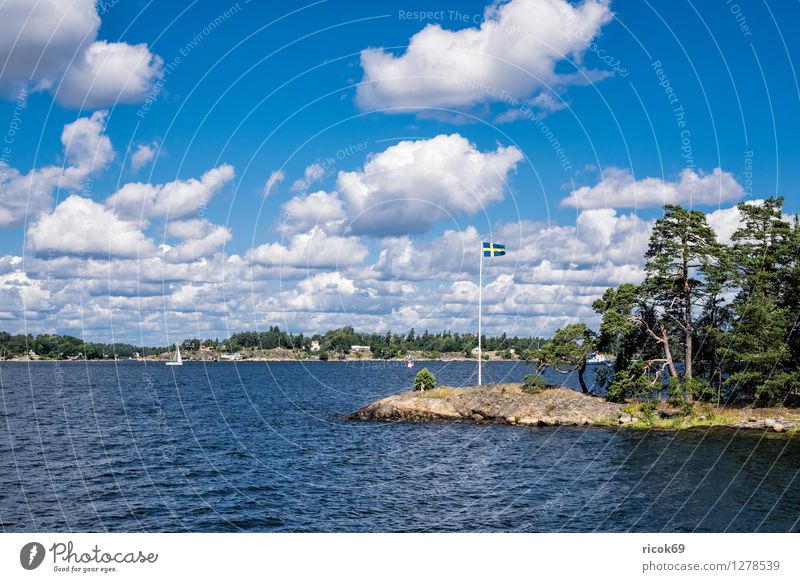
x: 480, y: 309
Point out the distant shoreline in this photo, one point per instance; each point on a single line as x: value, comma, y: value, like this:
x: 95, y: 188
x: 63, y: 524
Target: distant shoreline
x: 244, y: 360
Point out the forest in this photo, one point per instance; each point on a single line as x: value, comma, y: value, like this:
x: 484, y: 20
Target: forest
x: 382, y: 345
x: 54, y: 347
x: 333, y: 343
x: 711, y: 321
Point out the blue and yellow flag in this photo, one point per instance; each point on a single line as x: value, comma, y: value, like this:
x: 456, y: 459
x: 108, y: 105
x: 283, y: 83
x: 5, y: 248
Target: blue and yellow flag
x: 493, y: 250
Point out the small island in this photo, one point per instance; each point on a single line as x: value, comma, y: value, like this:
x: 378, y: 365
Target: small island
x: 708, y: 338
x: 523, y: 405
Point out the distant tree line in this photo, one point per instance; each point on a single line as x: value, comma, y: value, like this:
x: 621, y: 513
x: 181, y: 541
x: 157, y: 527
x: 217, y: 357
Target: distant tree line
x: 334, y: 342
x: 385, y: 345
x: 56, y: 347
x: 710, y: 321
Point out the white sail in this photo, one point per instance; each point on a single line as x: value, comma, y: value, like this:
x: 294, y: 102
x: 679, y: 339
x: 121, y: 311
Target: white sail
x: 178, y: 361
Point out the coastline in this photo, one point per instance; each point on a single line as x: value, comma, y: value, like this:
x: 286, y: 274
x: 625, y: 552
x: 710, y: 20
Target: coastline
x: 511, y: 404
x: 398, y: 361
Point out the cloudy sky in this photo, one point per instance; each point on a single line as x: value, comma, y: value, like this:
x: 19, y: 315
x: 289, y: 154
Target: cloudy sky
x: 175, y: 169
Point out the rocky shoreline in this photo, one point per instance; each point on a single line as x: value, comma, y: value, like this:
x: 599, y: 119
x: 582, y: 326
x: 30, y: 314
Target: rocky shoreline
x: 555, y: 406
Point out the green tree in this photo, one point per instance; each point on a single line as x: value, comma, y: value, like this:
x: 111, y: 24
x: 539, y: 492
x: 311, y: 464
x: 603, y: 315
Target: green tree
x: 567, y: 352
x: 424, y: 380
x: 619, y: 333
x: 682, y: 246
x: 632, y: 382
x: 791, y: 293
x: 757, y: 353
x: 630, y: 322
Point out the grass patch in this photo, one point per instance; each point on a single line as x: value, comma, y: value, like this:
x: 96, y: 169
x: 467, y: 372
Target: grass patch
x: 441, y: 392
x: 697, y: 416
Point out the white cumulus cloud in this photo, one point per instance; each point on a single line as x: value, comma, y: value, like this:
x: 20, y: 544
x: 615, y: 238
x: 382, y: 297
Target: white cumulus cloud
x: 311, y: 174
x: 86, y: 149
x: 200, y: 238
x: 411, y: 185
x: 619, y: 189
x: 110, y: 73
x: 38, y: 39
x: 513, y: 52
x: 175, y: 199
x: 313, y: 250
x: 81, y: 226
x: 323, y: 209
x: 52, y: 45
x: 142, y: 155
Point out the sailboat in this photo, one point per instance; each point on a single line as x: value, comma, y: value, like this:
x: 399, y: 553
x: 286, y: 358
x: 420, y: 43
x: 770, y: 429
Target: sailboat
x: 177, y: 361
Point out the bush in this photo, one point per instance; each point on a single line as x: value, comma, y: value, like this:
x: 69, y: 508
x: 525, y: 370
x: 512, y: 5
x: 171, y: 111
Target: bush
x: 631, y: 382
x: 686, y: 408
x: 323, y: 356
x: 675, y: 390
x: 647, y: 410
x: 701, y: 390
x: 424, y: 380
x: 533, y: 383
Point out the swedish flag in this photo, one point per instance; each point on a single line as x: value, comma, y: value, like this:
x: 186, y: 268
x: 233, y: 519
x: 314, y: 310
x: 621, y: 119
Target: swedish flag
x: 493, y: 250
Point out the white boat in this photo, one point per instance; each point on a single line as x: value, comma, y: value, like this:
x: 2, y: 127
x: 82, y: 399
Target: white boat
x: 410, y: 364
x: 178, y: 361
x: 597, y: 358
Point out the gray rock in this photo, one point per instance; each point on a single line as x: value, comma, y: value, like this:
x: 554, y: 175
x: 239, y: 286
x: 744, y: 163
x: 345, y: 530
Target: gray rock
x: 669, y: 413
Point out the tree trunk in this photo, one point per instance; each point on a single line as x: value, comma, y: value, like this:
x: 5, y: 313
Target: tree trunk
x: 668, y: 352
x: 687, y: 323
x: 663, y: 339
x: 581, y: 379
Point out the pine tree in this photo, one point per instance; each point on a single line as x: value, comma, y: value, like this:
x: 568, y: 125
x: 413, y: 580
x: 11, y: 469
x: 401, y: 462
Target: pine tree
x: 630, y: 321
x: 682, y: 246
x: 757, y: 355
x: 568, y: 351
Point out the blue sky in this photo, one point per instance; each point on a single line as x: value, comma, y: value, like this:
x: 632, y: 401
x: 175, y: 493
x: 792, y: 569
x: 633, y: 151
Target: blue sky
x: 559, y: 127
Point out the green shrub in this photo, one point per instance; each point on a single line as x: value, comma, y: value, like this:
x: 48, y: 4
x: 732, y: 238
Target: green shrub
x: 647, y: 410
x: 424, y: 380
x: 686, y: 408
x: 631, y: 382
x: 680, y: 390
x: 700, y: 389
x: 533, y: 383
x: 323, y: 356
x: 675, y: 390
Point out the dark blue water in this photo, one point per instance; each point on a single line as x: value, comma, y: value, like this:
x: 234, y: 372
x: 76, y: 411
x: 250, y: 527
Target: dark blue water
x: 260, y: 447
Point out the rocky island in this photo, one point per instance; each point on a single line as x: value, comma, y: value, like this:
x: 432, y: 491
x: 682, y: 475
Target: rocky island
x: 558, y: 406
